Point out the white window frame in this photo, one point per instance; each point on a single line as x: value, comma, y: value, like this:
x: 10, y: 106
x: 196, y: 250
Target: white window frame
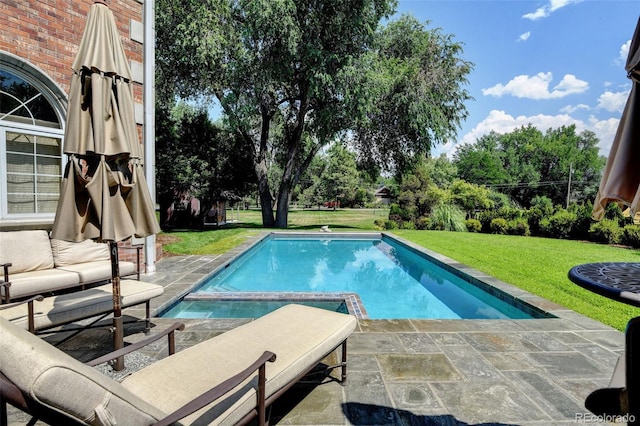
x: 4, y: 193
x: 57, y: 98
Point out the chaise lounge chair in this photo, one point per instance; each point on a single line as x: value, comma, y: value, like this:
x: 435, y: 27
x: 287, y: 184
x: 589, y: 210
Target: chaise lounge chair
x: 228, y: 379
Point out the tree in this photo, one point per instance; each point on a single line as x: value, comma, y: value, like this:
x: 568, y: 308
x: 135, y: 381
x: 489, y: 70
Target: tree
x: 196, y: 156
x: 340, y: 179
x: 526, y: 163
x: 293, y: 76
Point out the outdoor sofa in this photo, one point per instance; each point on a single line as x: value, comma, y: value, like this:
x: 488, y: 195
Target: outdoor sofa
x: 228, y: 379
x: 34, y: 264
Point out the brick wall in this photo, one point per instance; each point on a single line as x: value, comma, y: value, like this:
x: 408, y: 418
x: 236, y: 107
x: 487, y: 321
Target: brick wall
x: 46, y: 33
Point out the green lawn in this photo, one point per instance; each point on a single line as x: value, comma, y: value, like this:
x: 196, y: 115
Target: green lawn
x: 538, y: 265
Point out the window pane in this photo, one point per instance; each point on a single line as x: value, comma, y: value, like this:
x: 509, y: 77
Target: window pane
x: 21, y: 203
x: 23, y: 103
x: 19, y: 142
x: 49, y: 185
x: 48, y: 166
x: 48, y: 146
x: 47, y: 203
x: 18, y: 163
x: 20, y: 184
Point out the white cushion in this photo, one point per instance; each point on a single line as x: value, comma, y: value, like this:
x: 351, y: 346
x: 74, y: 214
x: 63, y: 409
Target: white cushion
x: 26, y: 251
x: 99, y: 270
x: 67, y: 386
x: 40, y: 282
x: 68, y: 253
x: 299, y: 336
x: 83, y: 304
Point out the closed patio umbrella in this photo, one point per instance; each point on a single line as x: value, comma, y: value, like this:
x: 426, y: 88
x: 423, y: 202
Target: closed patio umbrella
x: 104, y: 195
x: 621, y: 179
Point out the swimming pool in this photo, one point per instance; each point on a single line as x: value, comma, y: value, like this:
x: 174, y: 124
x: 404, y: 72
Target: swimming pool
x: 391, y: 279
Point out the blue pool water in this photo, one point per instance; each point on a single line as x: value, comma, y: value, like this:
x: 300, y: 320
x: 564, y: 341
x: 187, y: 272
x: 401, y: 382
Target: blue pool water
x: 393, y: 281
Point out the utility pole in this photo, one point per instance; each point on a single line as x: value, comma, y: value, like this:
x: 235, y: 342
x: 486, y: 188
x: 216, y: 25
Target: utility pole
x: 569, y: 184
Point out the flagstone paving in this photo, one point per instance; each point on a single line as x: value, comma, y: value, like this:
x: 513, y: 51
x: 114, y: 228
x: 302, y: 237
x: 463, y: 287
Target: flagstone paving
x: 411, y: 372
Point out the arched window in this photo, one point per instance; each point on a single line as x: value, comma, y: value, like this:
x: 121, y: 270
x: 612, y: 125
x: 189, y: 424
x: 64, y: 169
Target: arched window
x: 31, y: 131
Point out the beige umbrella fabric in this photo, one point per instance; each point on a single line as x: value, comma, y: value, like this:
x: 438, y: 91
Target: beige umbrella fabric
x: 104, y: 195
x: 621, y: 179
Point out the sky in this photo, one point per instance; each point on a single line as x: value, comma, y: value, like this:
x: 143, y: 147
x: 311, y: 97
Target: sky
x: 547, y: 63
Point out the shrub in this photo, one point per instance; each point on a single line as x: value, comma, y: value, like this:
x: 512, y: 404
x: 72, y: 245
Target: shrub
x: 407, y: 224
x: 631, y: 236
x: 518, y: 227
x: 606, y: 231
x: 558, y: 225
x: 614, y: 212
x: 583, y: 221
x: 499, y: 226
x: 423, y: 222
x: 447, y: 217
x: 390, y: 224
x: 473, y: 225
x: 379, y: 223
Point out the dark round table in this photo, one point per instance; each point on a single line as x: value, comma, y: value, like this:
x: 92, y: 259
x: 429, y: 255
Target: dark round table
x: 615, y: 280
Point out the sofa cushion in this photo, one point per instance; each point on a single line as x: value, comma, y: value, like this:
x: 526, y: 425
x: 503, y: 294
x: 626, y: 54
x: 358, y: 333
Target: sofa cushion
x: 68, y: 253
x: 40, y: 282
x: 300, y: 336
x: 83, y: 304
x: 99, y: 270
x: 54, y: 379
x: 26, y: 251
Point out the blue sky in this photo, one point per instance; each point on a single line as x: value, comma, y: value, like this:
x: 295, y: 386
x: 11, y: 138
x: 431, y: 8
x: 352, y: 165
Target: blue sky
x: 549, y: 62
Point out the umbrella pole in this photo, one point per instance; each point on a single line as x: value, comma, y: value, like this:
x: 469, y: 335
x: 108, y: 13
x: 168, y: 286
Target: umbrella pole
x: 118, y: 326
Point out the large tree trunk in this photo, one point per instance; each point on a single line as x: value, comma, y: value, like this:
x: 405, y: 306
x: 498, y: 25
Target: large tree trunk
x: 282, y: 209
x: 266, y: 200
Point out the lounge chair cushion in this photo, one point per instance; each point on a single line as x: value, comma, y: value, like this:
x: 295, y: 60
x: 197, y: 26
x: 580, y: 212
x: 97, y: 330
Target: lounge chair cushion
x: 299, y: 336
x: 26, y: 250
x: 54, y: 379
x: 67, y: 253
x: 78, y: 305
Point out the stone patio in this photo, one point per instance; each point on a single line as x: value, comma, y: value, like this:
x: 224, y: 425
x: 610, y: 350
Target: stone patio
x: 410, y: 372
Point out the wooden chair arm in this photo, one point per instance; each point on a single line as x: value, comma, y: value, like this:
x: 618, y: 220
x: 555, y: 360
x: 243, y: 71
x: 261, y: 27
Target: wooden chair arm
x: 169, y: 332
x: 217, y: 391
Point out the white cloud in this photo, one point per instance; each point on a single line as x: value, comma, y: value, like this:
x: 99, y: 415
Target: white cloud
x: 548, y: 9
x: 605, y: 130
x: 524, y: 36
x: 502, y: 122
x: 570, y: 109
x: 624, y: 52
x: 613, y: 102
x: 537, y: 87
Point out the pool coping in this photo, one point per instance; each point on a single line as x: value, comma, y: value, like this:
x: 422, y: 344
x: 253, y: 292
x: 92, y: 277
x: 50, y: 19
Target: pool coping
x: 524, y: 300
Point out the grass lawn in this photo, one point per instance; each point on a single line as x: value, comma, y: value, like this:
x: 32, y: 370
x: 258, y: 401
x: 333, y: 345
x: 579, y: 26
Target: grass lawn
x: 538, y: 265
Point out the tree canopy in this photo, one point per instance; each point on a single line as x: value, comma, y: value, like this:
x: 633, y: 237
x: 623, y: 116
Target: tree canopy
x: 526, y: 163
x: 292, y: 77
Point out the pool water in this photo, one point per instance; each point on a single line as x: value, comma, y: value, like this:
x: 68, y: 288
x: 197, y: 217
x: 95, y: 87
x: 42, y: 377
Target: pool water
x: 241, y: 308
x: 392, y: 280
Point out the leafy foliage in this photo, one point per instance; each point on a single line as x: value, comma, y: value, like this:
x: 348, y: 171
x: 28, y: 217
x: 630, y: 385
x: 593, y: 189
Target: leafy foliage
x: 293, y: 77
x: 526, y: 163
